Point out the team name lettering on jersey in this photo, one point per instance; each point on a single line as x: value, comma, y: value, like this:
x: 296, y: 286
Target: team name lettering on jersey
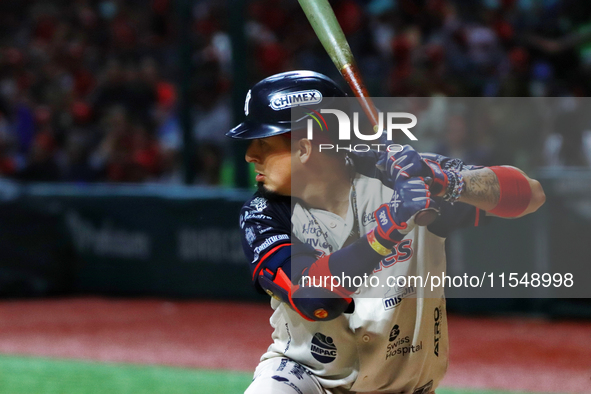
x: 401, y: 252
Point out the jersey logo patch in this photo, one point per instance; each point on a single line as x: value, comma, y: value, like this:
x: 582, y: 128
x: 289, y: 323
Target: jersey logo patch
x: 259, y: 204
x: 323, y: 348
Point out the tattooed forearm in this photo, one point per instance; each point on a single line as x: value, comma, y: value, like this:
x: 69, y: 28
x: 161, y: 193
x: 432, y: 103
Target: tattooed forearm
x: 481, y: 188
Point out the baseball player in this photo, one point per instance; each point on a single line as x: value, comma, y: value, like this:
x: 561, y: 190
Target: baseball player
x: 320, y: 215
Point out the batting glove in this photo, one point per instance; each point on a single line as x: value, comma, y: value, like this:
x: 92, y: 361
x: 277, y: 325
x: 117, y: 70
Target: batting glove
x: 397, y: 218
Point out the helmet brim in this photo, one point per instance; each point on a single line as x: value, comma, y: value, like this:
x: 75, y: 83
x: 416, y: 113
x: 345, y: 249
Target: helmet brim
x: 250, y: 130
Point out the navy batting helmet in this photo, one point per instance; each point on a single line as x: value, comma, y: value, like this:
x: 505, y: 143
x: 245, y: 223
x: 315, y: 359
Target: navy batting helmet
x: 268, y: 104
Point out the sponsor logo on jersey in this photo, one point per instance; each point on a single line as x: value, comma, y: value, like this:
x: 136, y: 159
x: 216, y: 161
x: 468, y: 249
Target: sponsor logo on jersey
x: 367, y: 218
x: 323, y: 348
x: 311, y: 228
x: 268, y: 242
x: 436, y: 330
x: 317, y: 243
x: 250, y: 236
x: 250, y: 215
x: 395, y: 300
x: 263, y: 230
x: 394, y: 333
x: 293, y: 99
x: 400, y: 345
x: 259, y: 204
x: 424, y: 389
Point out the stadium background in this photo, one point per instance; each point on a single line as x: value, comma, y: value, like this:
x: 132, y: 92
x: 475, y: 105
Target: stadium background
x: 120, y: 263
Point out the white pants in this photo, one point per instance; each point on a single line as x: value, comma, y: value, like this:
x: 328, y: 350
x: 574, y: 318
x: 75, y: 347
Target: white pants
x: 280, y: 375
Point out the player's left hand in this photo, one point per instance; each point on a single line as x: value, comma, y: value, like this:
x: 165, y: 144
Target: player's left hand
x: 411, y: 199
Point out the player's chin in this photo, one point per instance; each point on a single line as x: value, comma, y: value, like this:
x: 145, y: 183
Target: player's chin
x: 268, y: 191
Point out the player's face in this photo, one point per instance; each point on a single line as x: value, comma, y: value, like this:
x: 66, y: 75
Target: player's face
x: 272, y: 162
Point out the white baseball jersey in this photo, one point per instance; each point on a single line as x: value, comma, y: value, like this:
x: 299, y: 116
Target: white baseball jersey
x: 395, y: 340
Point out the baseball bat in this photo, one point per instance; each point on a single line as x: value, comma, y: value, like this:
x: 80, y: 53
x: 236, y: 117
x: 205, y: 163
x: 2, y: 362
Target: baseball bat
x: 329, y: 32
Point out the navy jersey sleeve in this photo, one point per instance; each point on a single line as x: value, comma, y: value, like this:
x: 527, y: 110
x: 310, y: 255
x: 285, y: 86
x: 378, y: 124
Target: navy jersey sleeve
x: 266, y: 231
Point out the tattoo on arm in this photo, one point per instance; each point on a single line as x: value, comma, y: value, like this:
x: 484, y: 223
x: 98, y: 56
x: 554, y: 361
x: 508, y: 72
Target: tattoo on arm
x: 481, y: 188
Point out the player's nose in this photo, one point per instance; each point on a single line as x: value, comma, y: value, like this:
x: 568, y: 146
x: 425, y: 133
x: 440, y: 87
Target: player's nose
x: 252, y: 153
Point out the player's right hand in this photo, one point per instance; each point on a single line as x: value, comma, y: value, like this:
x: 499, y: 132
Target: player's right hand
x: 407, y: 163
x: 398, y: 217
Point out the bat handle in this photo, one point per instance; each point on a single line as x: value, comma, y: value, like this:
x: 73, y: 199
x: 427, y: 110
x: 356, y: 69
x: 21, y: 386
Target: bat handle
x: 353, y: 77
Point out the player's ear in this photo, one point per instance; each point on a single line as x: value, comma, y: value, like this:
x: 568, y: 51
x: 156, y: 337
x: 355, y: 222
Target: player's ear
x: 304, y: 150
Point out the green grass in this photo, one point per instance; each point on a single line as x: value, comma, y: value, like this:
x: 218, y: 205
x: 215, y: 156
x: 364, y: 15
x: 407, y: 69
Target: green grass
x: 28, y: 375
x: 23, y: 375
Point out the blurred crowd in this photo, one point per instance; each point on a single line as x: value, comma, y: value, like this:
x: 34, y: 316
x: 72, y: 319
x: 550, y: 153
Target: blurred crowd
x: 89, y: 89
